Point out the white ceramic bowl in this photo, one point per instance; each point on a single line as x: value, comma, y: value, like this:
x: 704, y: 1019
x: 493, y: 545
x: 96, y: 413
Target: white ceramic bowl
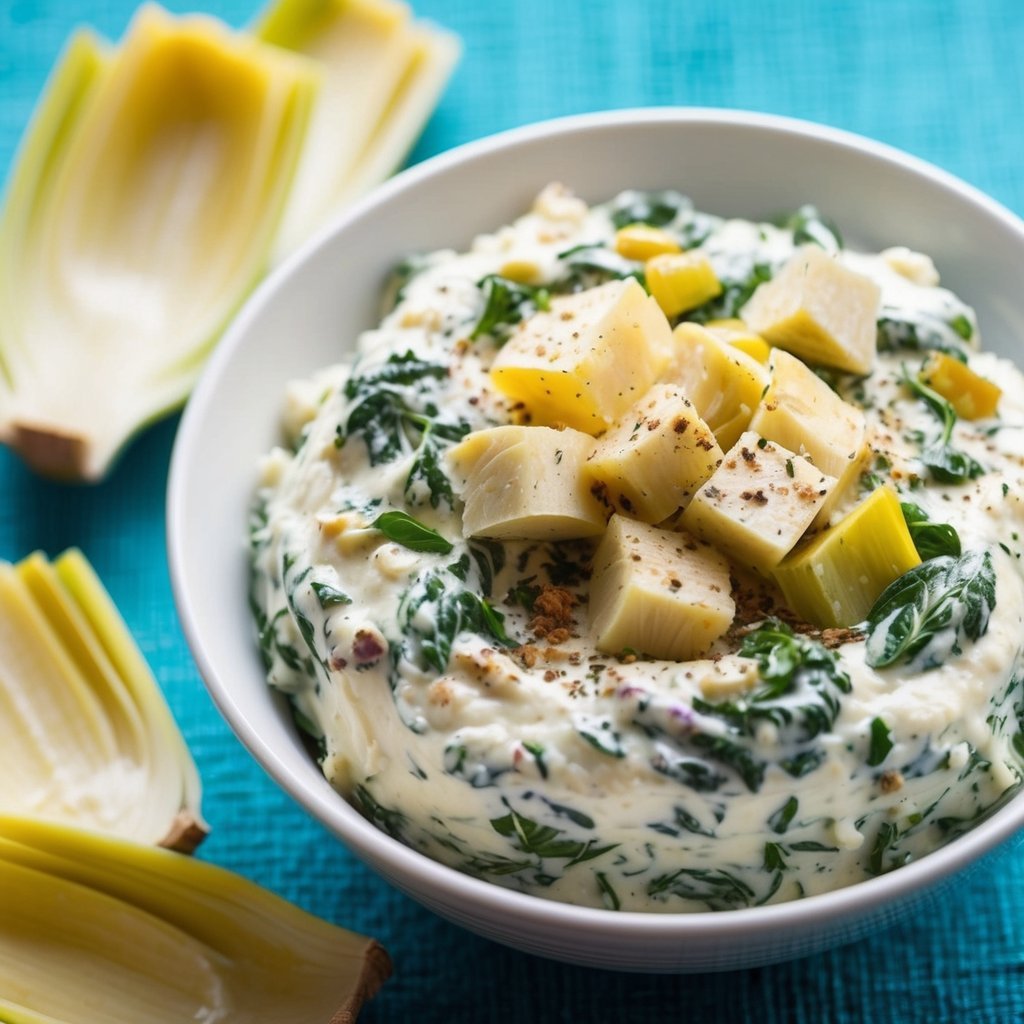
x: 307, y: 315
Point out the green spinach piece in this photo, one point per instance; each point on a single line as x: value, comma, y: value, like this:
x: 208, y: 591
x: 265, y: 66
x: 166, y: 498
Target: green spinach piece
x: 594, y: 263
x: 919, y: 331
x: 932, y: 540
x: 736, y: 293
x: 881, y: 742
x: 945, y: 463
x: 393, y: 412
x: 328, y: 596
x: 930, y: 611
x: 545, y: 841
x: 809, y: 226
x: 788, y: 664
x: 403, y: 529
x: 656, y: 208
x: 435, y: 610
x: 507, y: 302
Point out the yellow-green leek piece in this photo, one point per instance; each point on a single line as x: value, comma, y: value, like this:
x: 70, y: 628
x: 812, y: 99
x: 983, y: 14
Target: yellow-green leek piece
x: 383, y: 73
x: 835, y: 578
x: 86, y: 736
x: 141, y: 211
x: 99, y: 929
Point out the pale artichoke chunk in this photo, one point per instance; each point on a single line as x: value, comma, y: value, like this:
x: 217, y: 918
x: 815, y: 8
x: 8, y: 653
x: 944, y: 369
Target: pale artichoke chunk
x: 758, y: 503
x: 657, y: 592
x: 724, y: 383
x: 834, y: 579
x: 527, y: 483
x: 819, y: 310
x: 653, y: 460
x: 801, y: 412
x: 587, y: 359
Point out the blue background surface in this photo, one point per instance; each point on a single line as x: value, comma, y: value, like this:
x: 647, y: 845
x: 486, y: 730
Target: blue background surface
x: 944, y: 81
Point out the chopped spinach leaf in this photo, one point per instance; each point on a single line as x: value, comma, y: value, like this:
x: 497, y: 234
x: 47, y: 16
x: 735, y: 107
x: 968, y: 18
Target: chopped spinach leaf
x: 435, y: 610
x: 609, y: 896
x: 928, y: 612
x: 411, y: 533
x: 656, y: 208
x: 781, y: 819
x: 393, y: 413
x: 774, y: 857
x: 715, y: 887
x: 881, y: 742
x: 809, y: 226
x: 945, y: 463
x: 594, y: 263
x: 545, y: 841
x: 920, y: 331
x: 507, y: 302
x: 932, y: 540
x: 736, y: 293
x: 328, y: 596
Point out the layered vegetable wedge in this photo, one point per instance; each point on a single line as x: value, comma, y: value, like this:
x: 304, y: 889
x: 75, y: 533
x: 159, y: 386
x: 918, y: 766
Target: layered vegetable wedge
x: 96, y: 928
x: 86, y: 737
x: 157, y: 183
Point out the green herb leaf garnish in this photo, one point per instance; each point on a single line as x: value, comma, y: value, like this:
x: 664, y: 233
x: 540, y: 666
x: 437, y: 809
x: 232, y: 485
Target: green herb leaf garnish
x: 411, y: 533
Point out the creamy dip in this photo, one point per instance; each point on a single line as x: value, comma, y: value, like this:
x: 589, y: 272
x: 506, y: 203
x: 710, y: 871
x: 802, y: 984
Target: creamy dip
x: 456, y: 697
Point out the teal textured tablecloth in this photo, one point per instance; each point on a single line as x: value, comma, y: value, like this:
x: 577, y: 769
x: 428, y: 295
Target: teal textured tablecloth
x: 943, y: 80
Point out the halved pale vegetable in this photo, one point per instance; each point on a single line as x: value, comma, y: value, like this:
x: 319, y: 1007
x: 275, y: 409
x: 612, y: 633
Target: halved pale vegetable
x: 527, y: 483
x: 85, y: 734
x: 95, y: 928
x: 162, y: 184
x: 585, y: 361
x: 723, y: 383
x: 758, y: 503
x: 653, y: 460
x: 801, y: 412
x: 681, y: 281
x: 819, y: 310
x: 382, y: 74
x: 973, y: 397
x: 657, y: 592
x: 837, y: 576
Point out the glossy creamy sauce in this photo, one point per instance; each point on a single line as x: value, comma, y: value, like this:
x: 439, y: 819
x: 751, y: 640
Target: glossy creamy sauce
x: 577, y: 776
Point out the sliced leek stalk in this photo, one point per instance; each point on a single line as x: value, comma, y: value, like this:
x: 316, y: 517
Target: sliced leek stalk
x: 382, y: 75
x: 97, y: 928
x: 165, y: 170
x: 86, y: 736
x: 835, y: 578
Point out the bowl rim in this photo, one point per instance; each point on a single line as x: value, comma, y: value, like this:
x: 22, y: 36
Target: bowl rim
x: 387, y: 854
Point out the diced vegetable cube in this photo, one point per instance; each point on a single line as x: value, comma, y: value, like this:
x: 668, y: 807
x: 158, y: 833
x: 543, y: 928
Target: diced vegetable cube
x: 758, y: 503
x: 819, y: 310
x: 973, y: 397
x: 681, y: 281
x: 724, y: 384
x: 654, y: 459
x: 658, y: 592
x: 836, y: 577
x: 527, y: 483
x: 585, y: 361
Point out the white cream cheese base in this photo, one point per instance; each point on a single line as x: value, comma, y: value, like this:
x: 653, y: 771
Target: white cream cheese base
x: 576, y: 776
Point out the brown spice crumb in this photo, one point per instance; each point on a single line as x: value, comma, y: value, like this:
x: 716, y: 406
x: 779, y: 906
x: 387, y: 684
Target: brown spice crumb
x: 890, y: 781
x: 552, y: 613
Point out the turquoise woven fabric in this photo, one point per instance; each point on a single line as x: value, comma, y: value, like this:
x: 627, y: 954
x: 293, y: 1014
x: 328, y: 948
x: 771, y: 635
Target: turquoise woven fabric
x: 942, y: 80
